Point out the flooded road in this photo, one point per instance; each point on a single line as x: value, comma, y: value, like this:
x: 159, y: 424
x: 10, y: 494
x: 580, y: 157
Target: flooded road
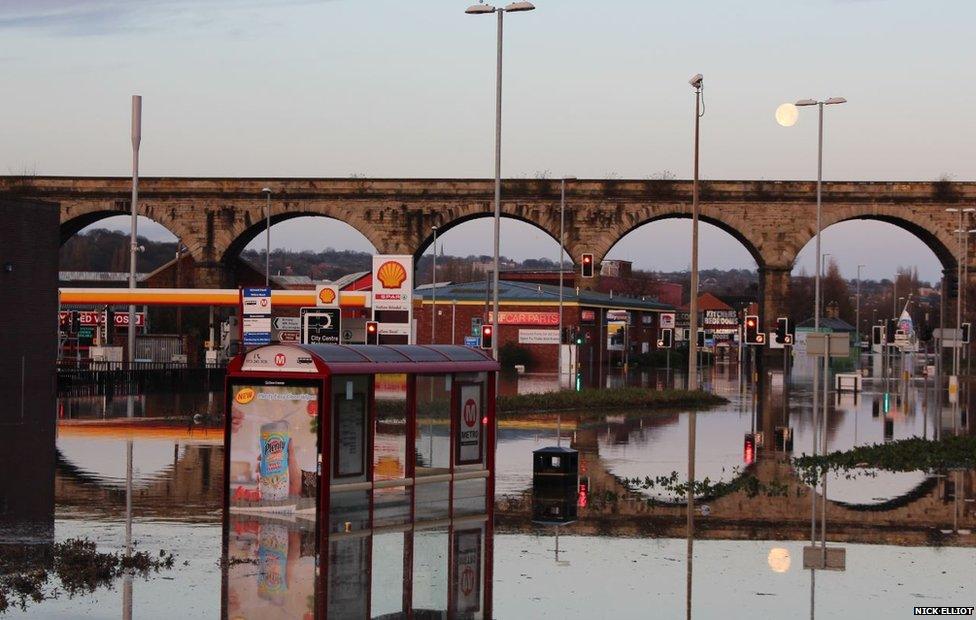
x: 907, y: 535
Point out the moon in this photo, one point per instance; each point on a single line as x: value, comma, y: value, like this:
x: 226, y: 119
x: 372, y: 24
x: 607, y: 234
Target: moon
x: 787, y: 114
x: 779, y: 559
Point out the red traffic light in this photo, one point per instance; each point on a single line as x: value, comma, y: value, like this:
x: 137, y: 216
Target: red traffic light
x: 750, y: 323
x: 587, y: 258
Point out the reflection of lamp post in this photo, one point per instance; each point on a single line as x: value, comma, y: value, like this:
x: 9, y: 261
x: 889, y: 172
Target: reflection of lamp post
x: 481, y: 9
x: 857, y: 314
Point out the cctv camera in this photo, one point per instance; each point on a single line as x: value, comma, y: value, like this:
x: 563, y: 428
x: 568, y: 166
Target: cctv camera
x: 696, y: 80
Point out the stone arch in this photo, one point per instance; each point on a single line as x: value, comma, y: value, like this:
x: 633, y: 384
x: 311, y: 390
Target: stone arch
x: 935, y: 232
x: 74, y: 220
x: 636, y: 218
x: 448, y: 219
x: 230, y: 241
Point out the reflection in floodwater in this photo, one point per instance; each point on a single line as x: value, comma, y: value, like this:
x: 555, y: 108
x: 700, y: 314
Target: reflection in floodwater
x: 626, y: 554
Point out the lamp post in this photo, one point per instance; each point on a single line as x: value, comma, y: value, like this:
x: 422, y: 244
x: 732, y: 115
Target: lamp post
x: 484, y: 9
x: 786, y: 115
x: 962, y: 258
x: 857, y: 315
x: 433, y: 291
x: 133, y: 243
x: 267, y: 238
x: 696, y: 82
x: 562, y: 238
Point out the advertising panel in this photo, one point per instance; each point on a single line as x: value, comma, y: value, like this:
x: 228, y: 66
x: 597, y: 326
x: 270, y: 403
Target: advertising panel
x: 274, y: 448
x: 469, y: 423
x: 538, y: 336
x: 526, y: 318
x: 466, y: 573
x: 667, y: 320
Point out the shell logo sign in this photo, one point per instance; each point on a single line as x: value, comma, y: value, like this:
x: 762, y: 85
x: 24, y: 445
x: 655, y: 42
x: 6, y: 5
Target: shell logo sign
x: 327, y: 296
x: 391, y: 274
x: 244, y: 396
x: 393, y: 284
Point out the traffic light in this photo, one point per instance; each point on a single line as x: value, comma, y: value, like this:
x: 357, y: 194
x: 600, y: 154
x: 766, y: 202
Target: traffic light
x: 891, y: 327
x: 966, y: 330
x: 109, y: 320
x: 877, y: 335
x: 753, y: 335
x: 486, y: 336
x: 372, y: 332
x: 666, y: 341
x: 749, y: 449
x: 783, y: 335
x: 577, y: 337
x: 75, y: 321
x: 701, y: 338
x: 952, y: 285
x: 586, y: 264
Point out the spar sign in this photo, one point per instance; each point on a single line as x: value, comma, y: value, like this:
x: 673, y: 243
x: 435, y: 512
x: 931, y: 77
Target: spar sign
x: 393, y: 298
x: 470, y: 424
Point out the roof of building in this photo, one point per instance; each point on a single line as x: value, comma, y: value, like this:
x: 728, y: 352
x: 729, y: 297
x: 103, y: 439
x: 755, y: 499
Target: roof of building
x: 828, y: 322
x: 98, y: 276
x: 707, y: 301
x: 349, y: 278
x: 524, y: 292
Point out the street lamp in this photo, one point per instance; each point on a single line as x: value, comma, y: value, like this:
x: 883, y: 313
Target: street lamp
x: 481, y: 9
x: 133, y: 238
x: 962, y: 258
x: 857, y: 314
x: 786, y: 116
x: 696, y: 83
x: 433, y: 291
x: 562, y: 225
x: 267, y: 238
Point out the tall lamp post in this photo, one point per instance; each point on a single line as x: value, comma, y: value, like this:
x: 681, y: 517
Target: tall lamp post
x: 484, y: 9
x: 433, y: 291
x: 857, y: 315
x: 962, y: 258
x: 786, y: 115
x: 696, y: 83
x: 133, y: 243
x: 267, y: 237
x: 562, y: 239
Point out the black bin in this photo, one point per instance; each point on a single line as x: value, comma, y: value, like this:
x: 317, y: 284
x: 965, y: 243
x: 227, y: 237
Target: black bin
x: 555, y: 485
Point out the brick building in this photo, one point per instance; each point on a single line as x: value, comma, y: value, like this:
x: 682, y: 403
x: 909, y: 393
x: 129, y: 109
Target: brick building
x: 529, y: 317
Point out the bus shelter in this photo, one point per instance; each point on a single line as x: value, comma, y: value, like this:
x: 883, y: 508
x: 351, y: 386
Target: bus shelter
x: 359, y: 481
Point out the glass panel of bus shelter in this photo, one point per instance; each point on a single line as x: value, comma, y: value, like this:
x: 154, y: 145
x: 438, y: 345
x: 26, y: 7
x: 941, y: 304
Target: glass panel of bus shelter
x: 348, y: 457
x: 433, y: 447
x: 467, y: 571
x: 391, y: 500
x: 389, y: 555
x: 430, y: 572
x: 271, y: 568
x: 470, y: 449
x: 347, y: 586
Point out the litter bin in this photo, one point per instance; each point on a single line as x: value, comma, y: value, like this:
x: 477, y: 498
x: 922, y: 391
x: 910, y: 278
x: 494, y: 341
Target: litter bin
x: 555, y: 485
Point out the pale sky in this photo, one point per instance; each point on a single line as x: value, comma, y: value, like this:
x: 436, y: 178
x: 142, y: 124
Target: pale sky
x: 396, y: 89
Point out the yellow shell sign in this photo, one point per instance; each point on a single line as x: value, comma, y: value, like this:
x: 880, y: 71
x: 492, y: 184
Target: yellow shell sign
x: 244, y: 395
x: 391, y: 274
x: 327, y: 296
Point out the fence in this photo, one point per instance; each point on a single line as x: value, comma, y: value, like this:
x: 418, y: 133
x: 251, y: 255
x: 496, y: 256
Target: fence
x: 88, y: 378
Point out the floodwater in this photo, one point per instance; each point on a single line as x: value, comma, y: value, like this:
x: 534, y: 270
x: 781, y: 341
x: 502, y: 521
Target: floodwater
x: 907, y: 537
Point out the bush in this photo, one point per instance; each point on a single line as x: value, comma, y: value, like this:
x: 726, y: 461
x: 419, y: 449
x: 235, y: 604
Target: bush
x: 510, y: 355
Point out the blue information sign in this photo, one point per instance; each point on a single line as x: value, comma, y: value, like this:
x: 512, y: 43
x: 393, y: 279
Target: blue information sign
x: 472, y: 342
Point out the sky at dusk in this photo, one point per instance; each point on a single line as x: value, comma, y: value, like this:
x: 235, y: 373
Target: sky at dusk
x: 394, y: 89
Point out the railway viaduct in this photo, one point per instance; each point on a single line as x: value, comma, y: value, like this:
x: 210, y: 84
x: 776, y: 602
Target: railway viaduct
x: 217, y: 217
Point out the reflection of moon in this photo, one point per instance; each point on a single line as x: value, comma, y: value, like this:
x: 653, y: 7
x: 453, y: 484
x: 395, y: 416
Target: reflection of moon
x: 787, y: 114
x: 779, y: 560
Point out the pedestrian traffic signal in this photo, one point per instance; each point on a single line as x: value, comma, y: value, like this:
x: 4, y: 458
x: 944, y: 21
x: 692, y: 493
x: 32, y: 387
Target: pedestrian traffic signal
x: 783, y: 335
x: 966, y: 330
x: 486, y: 336
x: 666, y: 341
x: 372, y: 332
x: 586, y: 264
x: 753, y: 335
